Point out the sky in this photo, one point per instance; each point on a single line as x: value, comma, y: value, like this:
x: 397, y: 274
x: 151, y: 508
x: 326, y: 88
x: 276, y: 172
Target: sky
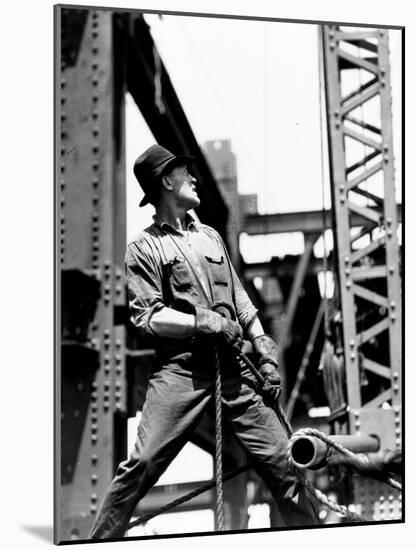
x: 257, y: 84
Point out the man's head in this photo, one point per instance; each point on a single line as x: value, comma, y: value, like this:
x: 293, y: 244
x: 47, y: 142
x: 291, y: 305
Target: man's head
x: 162, y: 174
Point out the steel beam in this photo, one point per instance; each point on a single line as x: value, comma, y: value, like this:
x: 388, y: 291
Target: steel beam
x: 90, y: 161
x: 379, y: 285
x: 305, y: 222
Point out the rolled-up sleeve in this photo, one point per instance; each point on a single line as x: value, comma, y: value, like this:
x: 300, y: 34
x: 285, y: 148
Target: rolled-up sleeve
x: 144, y: 283
x: 245, y: 309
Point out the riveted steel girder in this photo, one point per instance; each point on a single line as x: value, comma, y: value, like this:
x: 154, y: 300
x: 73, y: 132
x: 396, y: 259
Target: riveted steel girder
x: 359, y: 120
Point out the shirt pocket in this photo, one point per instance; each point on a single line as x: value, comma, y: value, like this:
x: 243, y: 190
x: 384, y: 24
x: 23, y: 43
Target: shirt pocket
x: 217, y: 268
x: 180, y: 275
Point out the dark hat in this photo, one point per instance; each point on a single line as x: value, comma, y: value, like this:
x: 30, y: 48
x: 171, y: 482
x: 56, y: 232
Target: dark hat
x: 149, y: 167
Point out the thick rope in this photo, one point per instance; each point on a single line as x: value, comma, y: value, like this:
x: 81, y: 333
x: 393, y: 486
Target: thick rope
x: 185, y: 498
x: 321, y: 497
x: 359, y: 463
x: 218, y: 447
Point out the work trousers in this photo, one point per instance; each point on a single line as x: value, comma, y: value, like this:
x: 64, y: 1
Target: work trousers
x: 175, y: 400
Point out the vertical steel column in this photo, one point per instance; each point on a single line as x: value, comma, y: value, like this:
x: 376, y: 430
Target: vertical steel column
x: 362, y: 182
x: 92, y: 217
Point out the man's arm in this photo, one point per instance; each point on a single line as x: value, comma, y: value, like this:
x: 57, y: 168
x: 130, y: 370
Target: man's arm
x: 148, y: 312
x: 152, y: 317
x: 170, y: 323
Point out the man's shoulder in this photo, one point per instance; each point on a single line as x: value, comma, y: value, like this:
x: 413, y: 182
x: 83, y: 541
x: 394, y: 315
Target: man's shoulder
x: 211, y: 231
x: 141, y: 241
x: 143, y: 236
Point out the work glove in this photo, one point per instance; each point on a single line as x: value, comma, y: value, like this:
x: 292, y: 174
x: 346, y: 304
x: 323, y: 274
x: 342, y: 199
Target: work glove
x: 266, y: 347
x: 215, y: 326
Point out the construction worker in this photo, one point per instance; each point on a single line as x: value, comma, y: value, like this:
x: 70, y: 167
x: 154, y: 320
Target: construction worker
x: 177, y: 269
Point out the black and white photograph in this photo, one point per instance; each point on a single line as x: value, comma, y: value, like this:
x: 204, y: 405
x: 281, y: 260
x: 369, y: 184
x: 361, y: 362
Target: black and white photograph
x: 229, y: 213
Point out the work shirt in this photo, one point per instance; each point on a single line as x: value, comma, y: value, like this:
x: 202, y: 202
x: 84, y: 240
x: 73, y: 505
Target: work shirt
x: 164, y: 265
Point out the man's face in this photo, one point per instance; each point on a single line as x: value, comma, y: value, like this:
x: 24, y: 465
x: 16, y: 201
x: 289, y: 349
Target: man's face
x: 184, y: 188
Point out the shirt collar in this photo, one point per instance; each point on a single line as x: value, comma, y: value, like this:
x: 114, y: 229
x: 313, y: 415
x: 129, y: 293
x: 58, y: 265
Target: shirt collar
x: 189, y: 220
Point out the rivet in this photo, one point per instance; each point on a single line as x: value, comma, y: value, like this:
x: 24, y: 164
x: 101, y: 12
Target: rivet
x: 94, y: 497
x: 94, y: 427
x: 63, y: 82
x: 63, y: 116
x: 95, y: 50
x: 95, y: 131
x: 391, y: 269
x: 396, y: 387
x: 63, y: 100
x: 95, y: 80
x: 352, y: 343
x: 118, y: 370
x: 94, y: 438
x: 348, y: 284
x: 94, y: 65
x: 393, y: 317
x: 346, y: 259
x: 93, y: 508
x: 118, y: 384
x: 94, y: 478
x: 94, y: 407
x: 94, y: 34
x: 107, y: 358
x: 95, y: 165
x: 118, y: 343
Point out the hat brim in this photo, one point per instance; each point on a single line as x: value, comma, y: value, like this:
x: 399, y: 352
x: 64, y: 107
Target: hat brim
x: 176, y: 161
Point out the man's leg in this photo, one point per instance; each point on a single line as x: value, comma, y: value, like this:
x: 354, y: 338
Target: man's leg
x: 171, y: 410
x: 259, y: 430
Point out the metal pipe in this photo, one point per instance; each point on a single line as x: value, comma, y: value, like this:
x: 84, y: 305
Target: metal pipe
x: 311, y: 452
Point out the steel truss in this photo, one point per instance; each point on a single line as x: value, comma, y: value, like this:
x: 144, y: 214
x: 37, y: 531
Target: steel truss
x: 357, y: 80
